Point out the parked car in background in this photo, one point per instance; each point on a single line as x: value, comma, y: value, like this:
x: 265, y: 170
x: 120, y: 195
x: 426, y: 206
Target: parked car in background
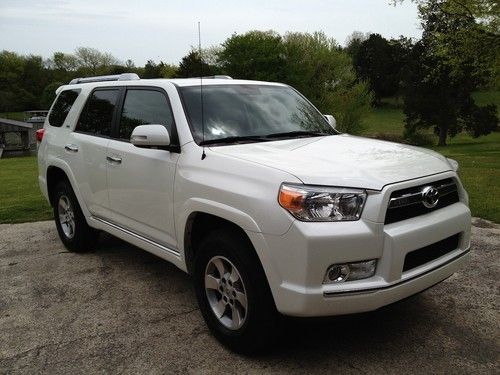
x: 249, y: 188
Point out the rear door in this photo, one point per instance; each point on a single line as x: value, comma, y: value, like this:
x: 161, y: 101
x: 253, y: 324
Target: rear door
x: 141, y: 180
x: 86, y: 149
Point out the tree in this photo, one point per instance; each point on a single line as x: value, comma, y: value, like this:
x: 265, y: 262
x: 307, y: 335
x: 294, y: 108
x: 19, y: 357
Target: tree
x: 437, y: 89
x: 93, y: 61
x: 466, y: 36
x: 354, y: 41
x: 318, y: 68
x: 379, y: 62
x: 64, y: 61
x: 257, y: 55
x: 191, y: 66
x: 49, y: 94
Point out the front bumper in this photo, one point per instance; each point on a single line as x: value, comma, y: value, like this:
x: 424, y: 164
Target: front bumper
x: 297, y: 261
x: 325, y: 304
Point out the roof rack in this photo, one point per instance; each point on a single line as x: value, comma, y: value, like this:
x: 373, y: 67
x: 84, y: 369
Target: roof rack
x: 116, y: 77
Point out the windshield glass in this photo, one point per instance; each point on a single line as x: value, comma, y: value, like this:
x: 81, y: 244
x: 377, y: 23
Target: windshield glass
x: 251, y: 111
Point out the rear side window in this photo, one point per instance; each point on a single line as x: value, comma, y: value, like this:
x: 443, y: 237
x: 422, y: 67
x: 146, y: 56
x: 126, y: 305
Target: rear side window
x: 97, y: 115
x: 61, y: 107
x: 142, y: 107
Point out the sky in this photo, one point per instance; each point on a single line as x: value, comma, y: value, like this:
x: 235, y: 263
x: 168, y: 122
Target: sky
x: 165, y: 30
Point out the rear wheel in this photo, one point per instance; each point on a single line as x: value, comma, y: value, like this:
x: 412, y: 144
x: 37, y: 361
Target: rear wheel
x: 74, y: 232
x: 233, y: 293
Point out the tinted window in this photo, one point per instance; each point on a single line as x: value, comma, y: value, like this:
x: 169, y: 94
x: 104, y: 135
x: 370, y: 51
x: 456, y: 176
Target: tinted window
x: 97, y: 115
x: 62, y: 106
x: 142, y: 107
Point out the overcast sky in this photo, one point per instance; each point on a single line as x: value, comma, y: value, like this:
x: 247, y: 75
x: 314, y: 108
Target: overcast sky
x: 165, y: 30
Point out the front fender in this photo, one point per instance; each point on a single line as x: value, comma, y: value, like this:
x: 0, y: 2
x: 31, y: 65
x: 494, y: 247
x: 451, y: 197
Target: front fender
x: 240, y: 218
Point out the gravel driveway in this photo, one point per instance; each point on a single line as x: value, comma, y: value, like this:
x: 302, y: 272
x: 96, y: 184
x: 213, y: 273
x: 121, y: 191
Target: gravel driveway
x: 122, y: 310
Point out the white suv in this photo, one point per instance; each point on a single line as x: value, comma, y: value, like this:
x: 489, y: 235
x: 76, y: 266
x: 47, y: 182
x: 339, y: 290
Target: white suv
x: 249, y: 188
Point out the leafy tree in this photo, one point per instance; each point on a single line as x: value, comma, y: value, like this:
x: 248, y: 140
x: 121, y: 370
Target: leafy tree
x: 257, y: 55
x: 317, y: 67
x: 354, y: 41
x: 465, y: 38
x: 64, y: 61
x: 152, y: 70
x: 437, y: 90
x: 49, y: 94
x: 191, y: 65
x: 94, y: 61
x: 379, y: 62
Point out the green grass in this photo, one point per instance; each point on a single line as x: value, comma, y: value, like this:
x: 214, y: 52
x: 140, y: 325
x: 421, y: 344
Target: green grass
x: 20, y: 197
x: 479, y: 171
x: 19, y: 116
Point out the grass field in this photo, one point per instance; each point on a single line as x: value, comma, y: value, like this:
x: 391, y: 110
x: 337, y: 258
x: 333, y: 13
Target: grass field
x: 19, y: 116
x: 20, y: 199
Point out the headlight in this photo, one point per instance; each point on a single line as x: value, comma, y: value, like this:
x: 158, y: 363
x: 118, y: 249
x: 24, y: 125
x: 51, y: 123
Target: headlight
x: 453, y: 163
x: 316, y: 203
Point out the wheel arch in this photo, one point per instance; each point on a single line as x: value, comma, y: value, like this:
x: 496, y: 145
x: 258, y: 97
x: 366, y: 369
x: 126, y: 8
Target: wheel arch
x: 57, y: 170
x: 198, y: 225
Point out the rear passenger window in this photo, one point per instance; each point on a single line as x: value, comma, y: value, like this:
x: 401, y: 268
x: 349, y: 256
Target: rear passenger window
x: 61, y: 107
x: 97, y: 114
x: 142, y: 107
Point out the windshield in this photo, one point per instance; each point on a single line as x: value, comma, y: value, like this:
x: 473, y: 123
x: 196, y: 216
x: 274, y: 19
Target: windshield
x: 235, y: 112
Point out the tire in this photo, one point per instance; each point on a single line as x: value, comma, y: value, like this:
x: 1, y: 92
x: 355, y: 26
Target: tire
x: 74, y: 232
x: 254, y: 328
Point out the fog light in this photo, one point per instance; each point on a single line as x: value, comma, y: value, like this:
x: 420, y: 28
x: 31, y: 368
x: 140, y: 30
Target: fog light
x: 338, y: 273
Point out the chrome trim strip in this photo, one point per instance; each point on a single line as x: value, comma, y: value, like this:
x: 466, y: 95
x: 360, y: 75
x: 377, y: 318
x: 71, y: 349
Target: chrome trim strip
x: 342, y: 293
x: 138, y: 236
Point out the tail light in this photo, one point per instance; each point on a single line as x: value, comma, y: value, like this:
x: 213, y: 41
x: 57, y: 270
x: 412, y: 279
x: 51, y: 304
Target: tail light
x: 39, y: 134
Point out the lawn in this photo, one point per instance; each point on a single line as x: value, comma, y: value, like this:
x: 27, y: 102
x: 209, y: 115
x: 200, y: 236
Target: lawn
x: 20, y: 197
x: 19, y: 116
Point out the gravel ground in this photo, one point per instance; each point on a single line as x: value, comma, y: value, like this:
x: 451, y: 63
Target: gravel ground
x: 121, y: 310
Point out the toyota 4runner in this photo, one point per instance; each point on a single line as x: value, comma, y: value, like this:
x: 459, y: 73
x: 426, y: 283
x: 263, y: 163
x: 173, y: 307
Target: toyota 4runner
x: 249, y: 188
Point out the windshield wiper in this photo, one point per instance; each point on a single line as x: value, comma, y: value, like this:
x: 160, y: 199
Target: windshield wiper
x: 234, y: 139
x: 297, y: 133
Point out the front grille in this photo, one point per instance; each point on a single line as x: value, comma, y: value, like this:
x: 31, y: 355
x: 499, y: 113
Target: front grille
x: 407, y: 203
x: 427, y: 254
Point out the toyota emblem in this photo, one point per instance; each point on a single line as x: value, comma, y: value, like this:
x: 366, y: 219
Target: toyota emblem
x: 430, y: 197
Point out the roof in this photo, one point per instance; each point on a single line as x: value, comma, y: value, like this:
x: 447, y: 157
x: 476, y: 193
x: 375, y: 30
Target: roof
x: 6, y: 121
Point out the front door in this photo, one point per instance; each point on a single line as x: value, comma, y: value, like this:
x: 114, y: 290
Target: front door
x: 141, y: 180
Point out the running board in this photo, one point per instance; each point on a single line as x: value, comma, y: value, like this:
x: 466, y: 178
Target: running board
x: 137, y: 236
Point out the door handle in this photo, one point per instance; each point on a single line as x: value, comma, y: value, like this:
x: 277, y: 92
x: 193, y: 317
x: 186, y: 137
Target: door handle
x: 114, y: 159
x: 71, y: 147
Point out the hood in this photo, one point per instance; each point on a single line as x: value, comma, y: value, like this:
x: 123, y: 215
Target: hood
x: 342, y: 160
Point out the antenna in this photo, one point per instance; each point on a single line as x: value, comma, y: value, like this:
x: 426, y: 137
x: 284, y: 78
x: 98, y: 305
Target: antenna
x: 203, y: 155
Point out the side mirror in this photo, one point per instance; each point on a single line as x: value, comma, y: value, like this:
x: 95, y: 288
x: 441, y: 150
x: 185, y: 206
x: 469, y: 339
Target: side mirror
x: 331, y: 120
x: 150, y: 136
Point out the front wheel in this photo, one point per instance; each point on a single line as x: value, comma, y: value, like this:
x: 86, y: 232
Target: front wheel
x: 233, y: 293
